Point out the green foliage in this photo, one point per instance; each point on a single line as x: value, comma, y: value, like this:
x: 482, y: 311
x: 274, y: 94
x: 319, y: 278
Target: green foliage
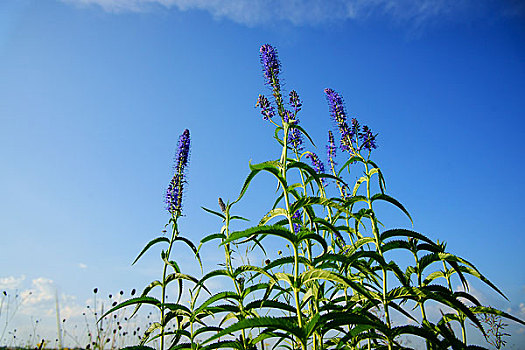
x: 336, y: 288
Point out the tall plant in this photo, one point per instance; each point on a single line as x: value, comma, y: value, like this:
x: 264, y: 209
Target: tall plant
x: 337, y: 285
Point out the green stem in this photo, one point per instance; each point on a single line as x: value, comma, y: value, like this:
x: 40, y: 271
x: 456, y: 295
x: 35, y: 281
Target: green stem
x: 375, y: 230
x: 449, y: 283
x: 164, y: 272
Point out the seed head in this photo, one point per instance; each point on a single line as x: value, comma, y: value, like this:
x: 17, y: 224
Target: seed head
x: 222, y: 205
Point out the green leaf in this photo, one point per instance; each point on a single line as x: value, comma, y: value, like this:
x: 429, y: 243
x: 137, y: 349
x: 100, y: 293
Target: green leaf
x: 216, y: 297
x: 400, y: 232
x: 191, y: 245
x: 181, y: 276
x: 237, y: 217
x: 395, y: 244
x: 211, y: 237
x: 493, y: 311
x: 307, y: 235
x: 470, y: 269
x: 316, y: 274
x: 273, y: 230
x: 433, y: 276
x: 418, y: 331
x: 244, y: 268
x: 311, y: 171
x: 271, y: 304
x: 221, y: 272
x: 221, y: 215
x: 287, y: 260
x: 287, y: 324
x: 206, y: 329
x: 151, y: 243
x: 358, y: 183
x: 272, y: 214
x: 350, y: 161
x: 387, y: 198
x: 133, y: 301
x: 310, y: 200
x: 304, y: 133
x: 271, y: 166
x: 281, y: 276
x: 177, y: 332
x: 222, y: 308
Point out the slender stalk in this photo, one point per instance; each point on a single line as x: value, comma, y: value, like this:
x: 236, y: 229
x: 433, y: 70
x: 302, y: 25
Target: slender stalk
x: 174, y: 233
x: 229, y: 266
x: 284, y: 161
x: 462, y: 323
x: 375, y: 230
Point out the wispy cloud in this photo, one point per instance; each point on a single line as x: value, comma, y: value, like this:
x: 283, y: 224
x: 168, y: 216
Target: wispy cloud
x: 11, y: 282
x: 43, y: 291
x: 300, y: 12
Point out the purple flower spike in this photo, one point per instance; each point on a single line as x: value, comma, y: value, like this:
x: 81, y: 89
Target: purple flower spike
x: 316, y: 163
x: 368, y: 139
x: 295, y: 138
x: 266, y: 108
x: 174, y: 192
x: 337, y: 110
x: 271, y: 65
x: 295, y: 102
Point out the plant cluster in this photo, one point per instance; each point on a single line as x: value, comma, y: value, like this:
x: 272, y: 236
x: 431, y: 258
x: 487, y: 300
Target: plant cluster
x: 335, y: 284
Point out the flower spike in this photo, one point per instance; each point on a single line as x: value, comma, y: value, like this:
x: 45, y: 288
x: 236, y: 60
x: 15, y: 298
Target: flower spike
x: 175, y: 188
x: 368, y: 139
x: 316, y: 163
x: 295, y: 102
x: 337, y: 110
x: 271, y: 65
x: 266, y: 108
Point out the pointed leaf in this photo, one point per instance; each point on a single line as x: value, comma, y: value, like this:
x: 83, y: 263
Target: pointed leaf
x: 151, y: 243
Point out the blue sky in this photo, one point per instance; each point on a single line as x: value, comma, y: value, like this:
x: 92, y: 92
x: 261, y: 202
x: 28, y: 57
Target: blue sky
x: 96, y: 92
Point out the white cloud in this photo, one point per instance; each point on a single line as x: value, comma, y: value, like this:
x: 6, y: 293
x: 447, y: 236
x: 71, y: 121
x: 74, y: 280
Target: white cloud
x: 82, y: 265
x: 521, y: 310
x: 43, y: 290
x: 298, y: 12
x: 480, y: 296
x: 11, y: 282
